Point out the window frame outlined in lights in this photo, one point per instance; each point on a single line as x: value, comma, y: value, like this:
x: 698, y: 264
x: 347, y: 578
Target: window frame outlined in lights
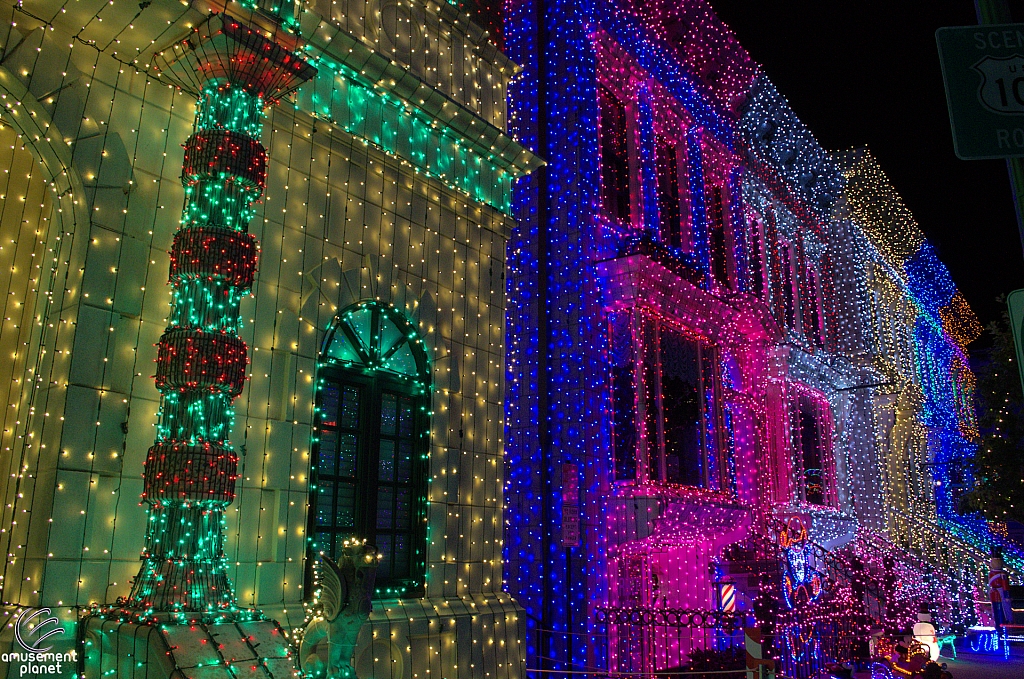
x: 373, y: 414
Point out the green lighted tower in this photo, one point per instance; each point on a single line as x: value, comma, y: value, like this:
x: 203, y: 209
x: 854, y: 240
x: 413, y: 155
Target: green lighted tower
x: 236, y: 72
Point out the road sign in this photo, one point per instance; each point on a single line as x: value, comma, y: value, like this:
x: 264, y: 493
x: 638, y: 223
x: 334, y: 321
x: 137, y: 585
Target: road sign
x: 983, y: 69
x: 1015, y: 302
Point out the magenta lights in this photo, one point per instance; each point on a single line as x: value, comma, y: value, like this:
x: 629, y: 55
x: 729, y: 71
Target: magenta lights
x: 693, y: 327
x: 802, y: 583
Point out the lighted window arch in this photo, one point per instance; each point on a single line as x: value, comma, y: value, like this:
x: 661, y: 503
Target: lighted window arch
x: 369, y: 477
x: 371, y: 336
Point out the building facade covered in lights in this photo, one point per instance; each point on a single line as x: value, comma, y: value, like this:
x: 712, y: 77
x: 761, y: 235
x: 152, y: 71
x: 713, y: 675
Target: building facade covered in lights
x: 357, y: 151
x: 737, y: 371
x: 724, y: 381
x: 916, y: 332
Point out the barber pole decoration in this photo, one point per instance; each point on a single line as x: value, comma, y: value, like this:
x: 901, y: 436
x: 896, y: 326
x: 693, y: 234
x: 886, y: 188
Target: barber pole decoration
x: 727, y: 596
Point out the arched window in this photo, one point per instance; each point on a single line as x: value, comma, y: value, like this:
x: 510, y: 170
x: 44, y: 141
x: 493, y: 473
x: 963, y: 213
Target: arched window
x: 370, y: 449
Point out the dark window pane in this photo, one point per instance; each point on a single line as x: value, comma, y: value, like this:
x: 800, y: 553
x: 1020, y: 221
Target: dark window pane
x: 388, y: 414
x: 649, y: 397
x: 402, y: 559
x: 614, y: 156
x: 324, y: 542
x: 405, y: 418
x: 728, y: 422
x: 712, y: 427
x: 386, y: 470
x: 810, y: 447
x: 325, y: 506
x: 403, y: 462
x: 668, y: 192
x: 716, y: 232
x: 347, y: 452
x: 623, y: 402
x: 681, y: 410
x: 350, y: 408
x: 623, y: 396
x: 773, y: 248
x: 385, y: 508
x: 386, y: 558
x: 756, y: 267
x: 812, y: 316
x: 786, y: 281
x: 346, y: 515
x: 329, y: 397
x: 325, y: 459
x: 403, y: 508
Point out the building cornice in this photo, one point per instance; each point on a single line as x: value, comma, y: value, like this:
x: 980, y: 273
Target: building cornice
x: 384, y: 76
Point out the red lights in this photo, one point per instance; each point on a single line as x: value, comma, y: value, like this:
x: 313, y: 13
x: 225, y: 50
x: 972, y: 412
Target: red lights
x: 209, y: 252
x: 192, y: 359
x: 183, y: 472
x: 225, y: 155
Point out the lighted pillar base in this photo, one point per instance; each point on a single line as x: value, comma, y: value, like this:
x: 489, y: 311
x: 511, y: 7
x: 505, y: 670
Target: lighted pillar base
x: 250, y: 650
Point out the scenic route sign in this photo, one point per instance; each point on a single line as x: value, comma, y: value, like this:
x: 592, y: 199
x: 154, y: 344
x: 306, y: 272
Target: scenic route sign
x: 983, y: 69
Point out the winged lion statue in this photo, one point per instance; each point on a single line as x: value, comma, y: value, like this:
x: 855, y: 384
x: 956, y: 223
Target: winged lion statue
x: 341, y: 607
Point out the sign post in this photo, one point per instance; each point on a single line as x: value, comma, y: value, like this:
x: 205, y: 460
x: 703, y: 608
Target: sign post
x: 1015, y: 305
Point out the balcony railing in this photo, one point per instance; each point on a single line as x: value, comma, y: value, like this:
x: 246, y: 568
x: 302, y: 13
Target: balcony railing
x: 675, y: 260
x: 650, y: 641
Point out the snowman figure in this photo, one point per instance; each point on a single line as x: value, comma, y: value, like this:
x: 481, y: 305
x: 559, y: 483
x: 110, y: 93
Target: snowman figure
x: 924, y: 633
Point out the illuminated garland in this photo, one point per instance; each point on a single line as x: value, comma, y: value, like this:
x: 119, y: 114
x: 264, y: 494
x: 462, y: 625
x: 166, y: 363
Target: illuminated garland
x: 216, y: 255
x: 191, y: 470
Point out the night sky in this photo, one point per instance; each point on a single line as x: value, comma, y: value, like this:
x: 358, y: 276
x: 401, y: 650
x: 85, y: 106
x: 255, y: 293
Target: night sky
x: 867, y: 73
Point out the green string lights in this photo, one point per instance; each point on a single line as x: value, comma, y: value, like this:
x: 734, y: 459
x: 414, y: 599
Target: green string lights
x: 371, y: 357
x: 191, y: 470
